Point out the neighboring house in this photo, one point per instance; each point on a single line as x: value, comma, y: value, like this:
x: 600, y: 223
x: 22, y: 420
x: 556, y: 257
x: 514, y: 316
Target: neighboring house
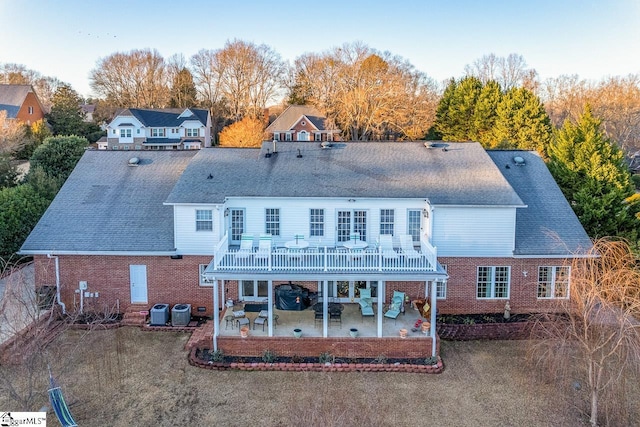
x: 159, y: 129
x: 21, y: 103
x: 88, y: 110
x: 301, y: 123
x: 484, y: 228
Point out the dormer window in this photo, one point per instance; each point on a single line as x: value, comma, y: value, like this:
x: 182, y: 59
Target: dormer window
x: 157, y: 132
x: 193, y: 132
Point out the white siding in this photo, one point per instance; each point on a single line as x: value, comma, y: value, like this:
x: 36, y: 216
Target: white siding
x: 188, y: 241
x: 474, y: 231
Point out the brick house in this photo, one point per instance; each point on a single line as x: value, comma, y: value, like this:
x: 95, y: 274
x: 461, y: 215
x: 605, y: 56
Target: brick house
x: 21, y: 103
x: 302, y: 123
x: 159, y: 129
x: 469, y: 229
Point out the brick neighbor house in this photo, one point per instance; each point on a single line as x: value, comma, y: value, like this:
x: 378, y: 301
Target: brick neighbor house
x: 472, y: 230
x: 302, y: 123
x: 21, y: 103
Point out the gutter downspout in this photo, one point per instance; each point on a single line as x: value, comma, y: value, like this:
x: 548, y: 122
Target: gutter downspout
x: 60, y: 303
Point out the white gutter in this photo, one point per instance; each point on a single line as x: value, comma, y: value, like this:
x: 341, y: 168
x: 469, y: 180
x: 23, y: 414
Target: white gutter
x: 60, y: 303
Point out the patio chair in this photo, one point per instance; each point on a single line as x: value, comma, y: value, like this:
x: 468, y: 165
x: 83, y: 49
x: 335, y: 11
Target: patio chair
x: 386, y: 247
x: 246, y: 247
x: 317, y: 316
x: 264, y: 248
x: 406, y: 243
x: 395, y: 308
x: 365, y: 298
x: 335, y: 315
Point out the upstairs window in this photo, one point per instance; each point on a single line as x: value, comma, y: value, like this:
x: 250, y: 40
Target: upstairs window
x: 30, y: 110
x: 493, y: 282
x: 125, y: 133
x: 204, y: 220
x: 386, y: 221
x: 272, y: 221
x: 193, y: 132
x: 158, y: 133
x: 317, y: 136
x: 316, y: 223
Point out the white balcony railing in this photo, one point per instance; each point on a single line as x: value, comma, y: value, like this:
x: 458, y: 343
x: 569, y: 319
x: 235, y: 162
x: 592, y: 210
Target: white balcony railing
x: 323, y: 259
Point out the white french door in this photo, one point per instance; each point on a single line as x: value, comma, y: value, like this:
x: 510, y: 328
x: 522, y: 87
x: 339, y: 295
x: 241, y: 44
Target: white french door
x: 347, y: 291
x: 236, y: 225
x: 351, y: 221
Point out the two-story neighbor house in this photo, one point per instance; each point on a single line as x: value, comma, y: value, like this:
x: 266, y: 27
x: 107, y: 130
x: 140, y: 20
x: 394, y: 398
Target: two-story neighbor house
x: 469, y: 229
x: 301, y: 123
x: 159, y: 129
x: 21, y: 103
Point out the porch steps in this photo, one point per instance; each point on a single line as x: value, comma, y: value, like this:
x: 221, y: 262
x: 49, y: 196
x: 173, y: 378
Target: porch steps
x: 202, y: 337
x: 135, y: 316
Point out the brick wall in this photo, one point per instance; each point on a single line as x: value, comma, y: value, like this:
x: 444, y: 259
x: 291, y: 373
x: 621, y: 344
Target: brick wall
x: 340, y: 347
x: 176, y: 281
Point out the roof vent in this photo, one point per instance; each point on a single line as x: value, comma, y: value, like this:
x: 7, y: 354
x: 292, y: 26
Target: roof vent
x: 210, y: 176
x: 299, y: 154
x: 325, y: 144
x: 519, y: 161
x: 268, y: 154
x: 134, y: 161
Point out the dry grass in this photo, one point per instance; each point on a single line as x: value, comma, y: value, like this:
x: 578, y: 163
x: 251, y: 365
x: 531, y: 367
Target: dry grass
x: 128, y: 377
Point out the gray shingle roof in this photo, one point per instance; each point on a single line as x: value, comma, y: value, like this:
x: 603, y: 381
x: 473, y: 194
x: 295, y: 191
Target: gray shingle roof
x: 548, y: 226
x: 292, y: 114
x: 167, y: 117
x: 12, y: 97
x: 107, y: 206
x: 463, y: 175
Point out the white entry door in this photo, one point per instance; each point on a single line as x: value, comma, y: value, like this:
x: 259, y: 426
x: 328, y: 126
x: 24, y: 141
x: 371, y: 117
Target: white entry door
x: 138, y: 283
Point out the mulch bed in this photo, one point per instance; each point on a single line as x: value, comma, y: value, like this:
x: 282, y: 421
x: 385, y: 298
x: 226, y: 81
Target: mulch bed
x: 489, y: 326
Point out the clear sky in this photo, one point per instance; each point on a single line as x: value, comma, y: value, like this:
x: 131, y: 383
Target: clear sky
x: 65, y: 38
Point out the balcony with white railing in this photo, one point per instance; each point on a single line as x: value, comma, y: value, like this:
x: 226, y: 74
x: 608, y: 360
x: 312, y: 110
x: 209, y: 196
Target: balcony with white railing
x: 318, y: 259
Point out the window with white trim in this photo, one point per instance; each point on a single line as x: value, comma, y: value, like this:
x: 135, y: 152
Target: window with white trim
x: 413, y: 224
x: 30, y: 110
x: 251, y: 290
x: 441, y: 286
x: 157, y: 132
x: 204, y: 220
x: 287, y: 136
x: 493, y: 282
x: 193, y: 132
x: 317, y: 136
x: 316, y: 223
x: 386, y: 221
x: 125, y: 133
x: 202, y: 281
x: 276, y: 136
x: 553, y: 282
x: 272, y: 221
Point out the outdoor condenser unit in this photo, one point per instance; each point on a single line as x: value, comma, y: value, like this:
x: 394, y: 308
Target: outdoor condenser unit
x: 181, y: 314
x: 159, y: 315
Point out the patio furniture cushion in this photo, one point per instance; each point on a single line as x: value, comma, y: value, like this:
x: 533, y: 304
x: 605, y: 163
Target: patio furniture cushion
x: 367, y: 311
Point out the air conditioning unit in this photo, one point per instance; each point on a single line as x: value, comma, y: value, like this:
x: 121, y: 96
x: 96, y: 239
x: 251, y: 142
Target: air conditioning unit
x: 159, y: 315
x: 181, y: 314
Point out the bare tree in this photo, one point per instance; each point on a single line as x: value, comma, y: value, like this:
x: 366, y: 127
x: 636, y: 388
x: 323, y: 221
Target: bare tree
x: 12, y: 134
x: 595, y: 337
x: 135, y: 79
x: 509, y: 72
x: 616, y: 100
x: 369, y: 94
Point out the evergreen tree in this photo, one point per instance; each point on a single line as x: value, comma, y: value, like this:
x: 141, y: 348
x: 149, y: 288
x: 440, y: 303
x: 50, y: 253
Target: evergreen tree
x: 183, y: 90
x: 590, y: 170
x: 66, y: 116
x: 454, y: 115
x: 58, y: 155
x: 522, y: 122
x: 485, y: 113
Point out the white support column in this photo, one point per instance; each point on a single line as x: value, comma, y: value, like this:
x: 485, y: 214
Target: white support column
x: 325, y: 309
x: 434, y: 295
x: 270, y: 302
x: 216, y: 315
x: 381, y: 291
